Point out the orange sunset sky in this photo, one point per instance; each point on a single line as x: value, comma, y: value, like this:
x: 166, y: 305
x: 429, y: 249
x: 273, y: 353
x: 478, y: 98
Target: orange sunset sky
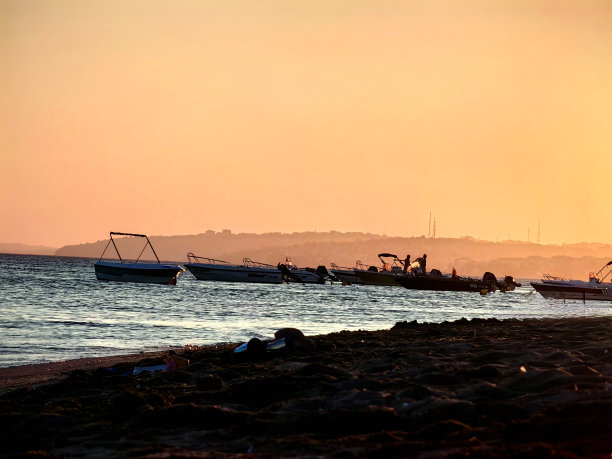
x: 175, y: 117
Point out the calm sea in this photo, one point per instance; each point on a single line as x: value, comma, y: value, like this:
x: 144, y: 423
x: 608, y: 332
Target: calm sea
x: 53, y: 308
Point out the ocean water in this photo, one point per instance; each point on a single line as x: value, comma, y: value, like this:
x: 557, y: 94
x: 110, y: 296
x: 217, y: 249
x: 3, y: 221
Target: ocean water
x: 54, y: 308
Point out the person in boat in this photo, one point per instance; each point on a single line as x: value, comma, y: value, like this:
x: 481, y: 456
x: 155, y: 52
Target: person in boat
x: 407, y: 264
x: 423, y: 262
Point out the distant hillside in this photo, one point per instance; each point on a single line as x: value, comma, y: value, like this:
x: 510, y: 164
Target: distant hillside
x: 221, y: 245
x: 24, y: 249
x: 467, y: 255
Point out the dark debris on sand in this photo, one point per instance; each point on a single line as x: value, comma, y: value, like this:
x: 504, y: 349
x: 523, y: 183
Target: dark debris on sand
x: 480, y: 388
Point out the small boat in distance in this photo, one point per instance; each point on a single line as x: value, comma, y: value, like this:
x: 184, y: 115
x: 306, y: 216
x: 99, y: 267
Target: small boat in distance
x: 209, y: 269
x: 386, y: 274
x: 291, y: 273
x: 561, y: 289
x: 435, y: 280
x: 347, y: 275
x: 135, y: 271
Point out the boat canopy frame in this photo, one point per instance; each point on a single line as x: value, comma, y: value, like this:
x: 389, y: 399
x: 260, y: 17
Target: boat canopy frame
x: 116, y: 233
x: 395, y: 263
x: 600, y: 280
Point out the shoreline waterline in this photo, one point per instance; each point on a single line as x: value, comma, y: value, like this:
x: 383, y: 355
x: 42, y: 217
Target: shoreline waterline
x: 54, y: 309
x: 31, y: 375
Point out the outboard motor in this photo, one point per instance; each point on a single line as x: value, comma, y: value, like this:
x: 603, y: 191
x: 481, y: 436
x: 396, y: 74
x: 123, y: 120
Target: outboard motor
x: 287, y: 274
x: 491, y: 280
x: 510, y: 283
x: 373, y: 269
x: 325, y: 274
x: 510, y: 280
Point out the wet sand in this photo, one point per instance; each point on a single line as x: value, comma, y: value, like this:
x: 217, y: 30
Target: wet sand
x: 483, y: 388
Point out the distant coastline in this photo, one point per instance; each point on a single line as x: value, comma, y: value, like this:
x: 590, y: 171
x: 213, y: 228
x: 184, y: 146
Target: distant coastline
x: 468, y: 255
x: 25, y: 249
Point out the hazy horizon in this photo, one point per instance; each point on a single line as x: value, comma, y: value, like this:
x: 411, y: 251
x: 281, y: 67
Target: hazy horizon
x: 354, y: 116
x: 235, y: 233
x: 467, y: 255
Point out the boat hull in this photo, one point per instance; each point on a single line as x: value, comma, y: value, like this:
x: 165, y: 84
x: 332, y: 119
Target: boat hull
x: 223, y: 273
x: 303, y: 276
x: 347, y: 276
x: 378, y: 278
x: 576, y: 290
x: 448, y: 284
x: 151, y: 273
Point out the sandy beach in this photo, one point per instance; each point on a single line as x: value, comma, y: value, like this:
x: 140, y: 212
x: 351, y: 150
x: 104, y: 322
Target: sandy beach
x: 482, y: 388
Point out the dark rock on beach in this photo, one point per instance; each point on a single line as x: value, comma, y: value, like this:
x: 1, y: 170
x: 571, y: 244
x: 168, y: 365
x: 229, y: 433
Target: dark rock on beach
x: 481, y: 388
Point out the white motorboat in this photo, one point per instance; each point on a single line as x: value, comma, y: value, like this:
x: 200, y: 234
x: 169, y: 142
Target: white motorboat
x: 347, y: 275
x: 593, y: 289
x: 126, y: 271
x: 209, y: 269
x: 386, y: 274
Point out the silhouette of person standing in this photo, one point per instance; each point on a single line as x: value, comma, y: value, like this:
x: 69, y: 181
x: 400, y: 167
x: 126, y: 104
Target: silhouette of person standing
x: 406, y: 263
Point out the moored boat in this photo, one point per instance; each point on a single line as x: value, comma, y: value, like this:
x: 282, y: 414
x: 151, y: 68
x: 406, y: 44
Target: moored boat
x: 347, y: 275
x: 595, y: 289
x: 126, y: 271
x: 384, y: 275
x: 209, y: 269
x: 292, y: 273
x: 435, y: 280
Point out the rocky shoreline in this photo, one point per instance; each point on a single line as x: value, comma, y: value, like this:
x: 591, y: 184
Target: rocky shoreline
x: 484, y: 388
